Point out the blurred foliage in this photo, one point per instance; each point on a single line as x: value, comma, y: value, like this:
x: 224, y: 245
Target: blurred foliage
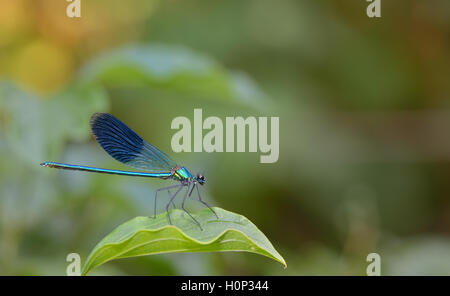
x: 363, y: 104
x: 170, y: 68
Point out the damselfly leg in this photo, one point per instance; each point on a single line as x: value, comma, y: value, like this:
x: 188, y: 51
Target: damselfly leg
x: 172, y: 198
x: 164, y: 188
x: 182, y: 205
x: 201, y: 200
x: 173, y: 202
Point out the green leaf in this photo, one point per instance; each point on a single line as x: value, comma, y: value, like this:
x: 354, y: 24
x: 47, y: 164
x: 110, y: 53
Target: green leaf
x: 148, y: 236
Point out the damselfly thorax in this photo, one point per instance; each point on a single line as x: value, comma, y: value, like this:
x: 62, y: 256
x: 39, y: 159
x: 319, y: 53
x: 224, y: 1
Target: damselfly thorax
x: 182, y: 174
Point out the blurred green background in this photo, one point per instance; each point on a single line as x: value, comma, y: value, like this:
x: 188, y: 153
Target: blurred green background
x: 364, y: 113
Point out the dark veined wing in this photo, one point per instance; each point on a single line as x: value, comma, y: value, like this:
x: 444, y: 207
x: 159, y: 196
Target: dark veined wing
x: 124, y: 145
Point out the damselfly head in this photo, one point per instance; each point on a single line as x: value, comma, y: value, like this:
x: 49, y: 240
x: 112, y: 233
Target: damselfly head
x: 201, y: 179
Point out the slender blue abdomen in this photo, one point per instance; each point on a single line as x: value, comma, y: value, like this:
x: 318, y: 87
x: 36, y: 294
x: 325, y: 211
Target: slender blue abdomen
x: 72, y: 167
